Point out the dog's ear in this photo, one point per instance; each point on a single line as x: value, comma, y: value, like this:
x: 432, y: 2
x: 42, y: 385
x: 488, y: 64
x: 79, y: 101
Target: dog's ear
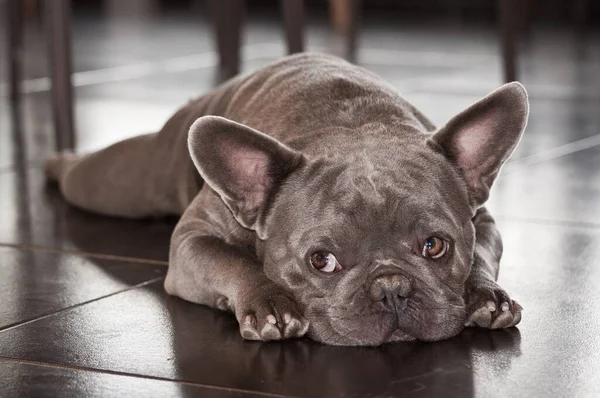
x: 244, y: 166
x: 482, y: 137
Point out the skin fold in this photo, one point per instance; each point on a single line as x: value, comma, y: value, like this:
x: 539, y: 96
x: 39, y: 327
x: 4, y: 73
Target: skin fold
x: 312, y: 197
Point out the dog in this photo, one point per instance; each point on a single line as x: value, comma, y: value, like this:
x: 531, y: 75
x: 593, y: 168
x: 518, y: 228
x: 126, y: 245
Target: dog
x: 316, y: 201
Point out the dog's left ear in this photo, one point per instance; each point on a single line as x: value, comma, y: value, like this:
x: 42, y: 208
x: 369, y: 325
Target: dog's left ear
x: 482, y: 137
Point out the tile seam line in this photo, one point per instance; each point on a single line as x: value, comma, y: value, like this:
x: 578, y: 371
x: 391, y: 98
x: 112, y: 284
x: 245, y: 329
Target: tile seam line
x: 74, y: 306
x: 103, y: 256
x: 273, y: 44
x: 14, y: 168
x: 138, y: 376
x: 412, y: 84
x: 147, y: 67
x: 569, y: 148
x: 532, y: 92
x: 138, y: 65
x: 545, y: 221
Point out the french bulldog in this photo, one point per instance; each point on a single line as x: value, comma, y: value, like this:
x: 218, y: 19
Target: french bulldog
x: 315, y: 200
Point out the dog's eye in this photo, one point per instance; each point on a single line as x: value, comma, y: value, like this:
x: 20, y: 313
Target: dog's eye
x: 325, y: 262
x: 434, y: 247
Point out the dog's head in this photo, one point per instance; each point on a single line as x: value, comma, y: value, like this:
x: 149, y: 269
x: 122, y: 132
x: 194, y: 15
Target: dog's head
x: 370, y: 230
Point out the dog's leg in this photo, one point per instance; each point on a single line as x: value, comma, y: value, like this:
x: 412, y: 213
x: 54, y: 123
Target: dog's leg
x: 147, y: 175
x: 211, y: 262
x: 488, y: 305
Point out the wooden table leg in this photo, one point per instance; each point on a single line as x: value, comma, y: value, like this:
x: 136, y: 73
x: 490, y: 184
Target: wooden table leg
x: 508, y: 32
x: 293, y: 17
x: 356, y: 6
x: 345, y: 15
x: 58, y: 24
x: 580, y: 13
x: 228, y: 16
x: 14, y: 35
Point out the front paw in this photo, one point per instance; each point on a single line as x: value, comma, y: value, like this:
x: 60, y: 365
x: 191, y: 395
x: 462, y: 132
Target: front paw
x: 489, y: 306
x: 270, y: 315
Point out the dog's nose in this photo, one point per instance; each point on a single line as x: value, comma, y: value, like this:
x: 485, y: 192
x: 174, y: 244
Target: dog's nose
x: 390, y: 288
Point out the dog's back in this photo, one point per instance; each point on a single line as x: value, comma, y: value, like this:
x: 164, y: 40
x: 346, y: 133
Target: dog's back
x: 309, y: 92
x: 302, y: 100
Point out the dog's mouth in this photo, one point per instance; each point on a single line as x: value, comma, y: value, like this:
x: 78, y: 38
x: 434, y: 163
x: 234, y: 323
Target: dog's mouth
x: 400, y: 335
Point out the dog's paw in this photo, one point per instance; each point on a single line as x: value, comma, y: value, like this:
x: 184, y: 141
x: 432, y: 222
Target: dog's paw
x: 271, y: 315
x: 489, y: 306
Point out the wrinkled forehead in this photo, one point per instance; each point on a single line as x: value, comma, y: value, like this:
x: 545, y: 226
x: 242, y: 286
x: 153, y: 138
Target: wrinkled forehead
x: 377, y: 177
x: 376, y: 190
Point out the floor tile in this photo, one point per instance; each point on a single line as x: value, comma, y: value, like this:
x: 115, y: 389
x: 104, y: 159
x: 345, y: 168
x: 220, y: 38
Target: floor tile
x: 566, y: 188
x: 36, y: 283
x: 549, y: 269
x: 34, y: 213
x: 552, y: 123
x: 18, y: 379
x: 166, y: 337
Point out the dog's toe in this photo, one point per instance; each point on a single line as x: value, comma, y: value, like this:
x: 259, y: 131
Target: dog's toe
x: 248, y: 328
x: 481, y: 317
x: 270, y: 332
x: 294, y: 327
x: 503, y: 320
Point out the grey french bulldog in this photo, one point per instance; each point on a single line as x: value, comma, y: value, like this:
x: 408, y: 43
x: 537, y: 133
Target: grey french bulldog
x: 315, y: 200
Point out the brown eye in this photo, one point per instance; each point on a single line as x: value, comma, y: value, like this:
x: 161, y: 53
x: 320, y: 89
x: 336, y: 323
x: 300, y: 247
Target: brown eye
x: 434, y: 247
x: 325, y: 262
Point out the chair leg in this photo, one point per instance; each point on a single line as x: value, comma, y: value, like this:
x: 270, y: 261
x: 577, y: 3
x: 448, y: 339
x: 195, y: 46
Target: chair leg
x: 228, y: 18
x: 293, y: 17
x: 58, y: 25
x: 354, y: 26
x: 525, y: 9
x: 14, y: 22
x: 346, y: 17
x: 580, y: 11
x: 508, y: 32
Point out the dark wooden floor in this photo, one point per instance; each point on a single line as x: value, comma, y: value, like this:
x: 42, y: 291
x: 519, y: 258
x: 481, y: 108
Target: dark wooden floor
x: 82, y: 309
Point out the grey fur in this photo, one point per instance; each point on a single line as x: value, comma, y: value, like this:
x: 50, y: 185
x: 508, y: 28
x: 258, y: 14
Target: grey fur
x: 312, y: 153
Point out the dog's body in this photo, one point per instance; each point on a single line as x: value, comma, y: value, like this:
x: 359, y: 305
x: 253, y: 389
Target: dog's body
x: 334, y: 222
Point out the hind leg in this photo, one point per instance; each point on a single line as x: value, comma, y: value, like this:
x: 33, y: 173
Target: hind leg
x: 134, y: 178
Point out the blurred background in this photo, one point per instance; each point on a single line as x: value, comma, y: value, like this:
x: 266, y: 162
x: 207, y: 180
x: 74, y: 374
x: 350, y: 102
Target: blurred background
x: 120, y: 68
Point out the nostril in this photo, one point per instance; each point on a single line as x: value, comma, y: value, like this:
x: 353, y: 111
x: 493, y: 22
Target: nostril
x: 377, y: 291
x: 386, y: 287
x: 402, y: 286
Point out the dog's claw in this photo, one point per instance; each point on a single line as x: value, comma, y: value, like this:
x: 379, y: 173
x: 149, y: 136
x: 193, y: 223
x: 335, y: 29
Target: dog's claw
x: 481, y: 317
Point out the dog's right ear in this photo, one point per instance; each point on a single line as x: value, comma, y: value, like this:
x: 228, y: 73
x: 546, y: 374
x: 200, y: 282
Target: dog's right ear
x: 482, y: 137
x: 244, y: 166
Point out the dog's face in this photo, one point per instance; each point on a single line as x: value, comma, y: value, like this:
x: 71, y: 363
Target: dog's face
x: 375, y: 247
x: 374, y: 243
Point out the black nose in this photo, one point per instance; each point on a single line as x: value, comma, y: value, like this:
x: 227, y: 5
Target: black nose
x: 390, y: 288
